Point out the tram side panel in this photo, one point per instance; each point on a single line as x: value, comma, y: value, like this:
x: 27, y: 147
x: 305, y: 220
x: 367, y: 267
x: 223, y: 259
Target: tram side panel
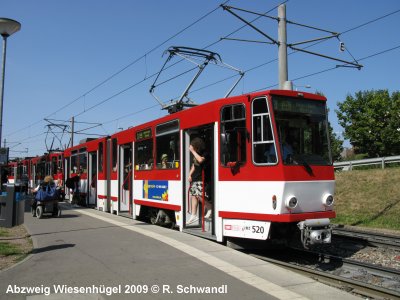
x: 158, y: 194
x: 101, y: 184
x: 101, y: 194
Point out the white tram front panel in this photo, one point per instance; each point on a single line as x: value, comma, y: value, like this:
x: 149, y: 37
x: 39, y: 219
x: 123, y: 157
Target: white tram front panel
x: 257, y: 197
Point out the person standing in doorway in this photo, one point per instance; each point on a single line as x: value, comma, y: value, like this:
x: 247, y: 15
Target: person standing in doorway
x: 200, y: 160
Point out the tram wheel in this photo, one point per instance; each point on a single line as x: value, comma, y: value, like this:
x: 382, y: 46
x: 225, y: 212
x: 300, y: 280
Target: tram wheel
x: 153, y: 213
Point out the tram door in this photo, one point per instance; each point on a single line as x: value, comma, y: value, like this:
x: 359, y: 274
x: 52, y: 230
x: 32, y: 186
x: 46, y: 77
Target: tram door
x: 125, y: 179
x: 207, y: 136
x: 92, y: 179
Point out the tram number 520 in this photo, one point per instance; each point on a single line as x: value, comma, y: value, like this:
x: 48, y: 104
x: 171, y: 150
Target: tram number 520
x: 257, y: 229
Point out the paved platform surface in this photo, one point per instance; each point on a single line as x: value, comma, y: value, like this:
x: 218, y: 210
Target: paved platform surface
x: 87, y: 254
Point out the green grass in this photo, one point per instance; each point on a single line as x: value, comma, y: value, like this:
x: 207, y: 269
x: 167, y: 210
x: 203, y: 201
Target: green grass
x: 369, y: 198
x: 4, y: 233
x: 7, y: 249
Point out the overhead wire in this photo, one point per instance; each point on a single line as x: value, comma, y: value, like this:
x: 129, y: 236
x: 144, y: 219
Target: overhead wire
x: 198, y: 20
x: 313, y: 44
x: 123, y: 69
x: 276, y: 59
x: 155, y: 74
x: 331, y: 68
x: 255, y: 67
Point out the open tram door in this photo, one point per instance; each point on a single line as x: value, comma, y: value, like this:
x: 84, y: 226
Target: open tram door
x: 125, y: 180
x: 92, y: 180
x: 205, y: 225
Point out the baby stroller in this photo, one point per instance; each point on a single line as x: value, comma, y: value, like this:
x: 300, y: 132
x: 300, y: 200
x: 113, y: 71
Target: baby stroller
x: 46, y: 202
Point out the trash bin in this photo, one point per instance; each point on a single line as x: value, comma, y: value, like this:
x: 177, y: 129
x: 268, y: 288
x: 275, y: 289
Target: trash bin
x: 19, y: 212
x: 12, y: 206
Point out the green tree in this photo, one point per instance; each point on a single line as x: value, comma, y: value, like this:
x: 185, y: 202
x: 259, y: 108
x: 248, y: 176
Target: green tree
x: 336, y: 144
x: 371, y: 120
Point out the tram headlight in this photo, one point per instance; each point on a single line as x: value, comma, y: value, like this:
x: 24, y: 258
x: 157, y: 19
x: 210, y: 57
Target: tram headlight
x: 291, y: 202
x: 274, y: 202
x: 328, y: 200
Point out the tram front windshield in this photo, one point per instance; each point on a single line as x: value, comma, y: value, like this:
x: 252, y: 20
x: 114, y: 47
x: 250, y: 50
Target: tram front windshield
x: 302, y: 131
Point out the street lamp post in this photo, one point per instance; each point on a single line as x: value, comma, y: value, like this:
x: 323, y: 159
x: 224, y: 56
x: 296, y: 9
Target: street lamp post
x: 7, y: 28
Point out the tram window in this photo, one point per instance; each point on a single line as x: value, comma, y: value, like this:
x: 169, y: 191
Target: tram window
x: 167, y: 145
x: 264, y: 151
x: 74, y: 163
x: 54, y: 165
x: 233, y: 134
x: 127, y: 157
x: 144, y: 155
x: 226, y: 113
x: 260, y: 106
x: 48, y: 168
x: 144, y: 150
x: 114, y: 154
x: 302, y: 126
x: 83, y: 162
x: 239, y: 112
x: 40, y: 171
x: 19, y: 172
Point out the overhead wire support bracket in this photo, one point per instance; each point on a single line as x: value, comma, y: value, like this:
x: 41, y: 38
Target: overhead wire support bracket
x: 315, y: 40
x: 248, y: 41
x: 356, y: 65
x: 229, y: 9
x: 201, y: 58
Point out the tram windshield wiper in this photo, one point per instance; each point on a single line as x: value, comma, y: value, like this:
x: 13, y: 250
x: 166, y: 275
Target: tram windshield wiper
x: 301, y: 161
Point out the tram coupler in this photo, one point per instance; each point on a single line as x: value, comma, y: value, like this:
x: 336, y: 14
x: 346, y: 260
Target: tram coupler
x: 315, y: 231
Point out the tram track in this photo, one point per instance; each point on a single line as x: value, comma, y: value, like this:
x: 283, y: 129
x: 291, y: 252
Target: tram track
x: 357, y: 261
x: 352, y: 276
x: 373, y: 238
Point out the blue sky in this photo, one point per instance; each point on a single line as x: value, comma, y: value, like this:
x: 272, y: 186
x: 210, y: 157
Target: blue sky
x: 67, y: 51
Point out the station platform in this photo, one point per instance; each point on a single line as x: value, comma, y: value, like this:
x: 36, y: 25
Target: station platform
x: 87, y: 254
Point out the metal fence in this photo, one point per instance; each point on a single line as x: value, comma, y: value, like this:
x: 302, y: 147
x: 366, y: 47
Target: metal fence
x: 348, y: 165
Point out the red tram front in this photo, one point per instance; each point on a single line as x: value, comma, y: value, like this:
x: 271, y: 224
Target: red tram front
x: 271, y: 170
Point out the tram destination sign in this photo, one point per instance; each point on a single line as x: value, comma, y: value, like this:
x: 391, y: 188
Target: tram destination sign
x: 144, y: 134
x: 294, y: 105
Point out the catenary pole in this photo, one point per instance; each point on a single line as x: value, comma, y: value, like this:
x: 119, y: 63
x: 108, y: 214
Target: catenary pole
x: 282, y: 47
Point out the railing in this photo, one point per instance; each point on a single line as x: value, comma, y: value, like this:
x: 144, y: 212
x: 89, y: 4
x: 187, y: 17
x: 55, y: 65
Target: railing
x: 348, y: 165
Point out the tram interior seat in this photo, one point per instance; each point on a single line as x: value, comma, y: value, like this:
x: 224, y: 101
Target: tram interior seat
x: 170, y: 165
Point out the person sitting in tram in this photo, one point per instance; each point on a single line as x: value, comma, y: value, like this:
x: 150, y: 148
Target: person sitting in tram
x: 164, y: 161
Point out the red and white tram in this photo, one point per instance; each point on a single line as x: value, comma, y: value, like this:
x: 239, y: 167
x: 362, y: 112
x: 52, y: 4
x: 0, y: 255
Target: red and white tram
x: 12, y: 171
x: 88, y: 161
x: 271, y: 170
x: 42, y: 166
